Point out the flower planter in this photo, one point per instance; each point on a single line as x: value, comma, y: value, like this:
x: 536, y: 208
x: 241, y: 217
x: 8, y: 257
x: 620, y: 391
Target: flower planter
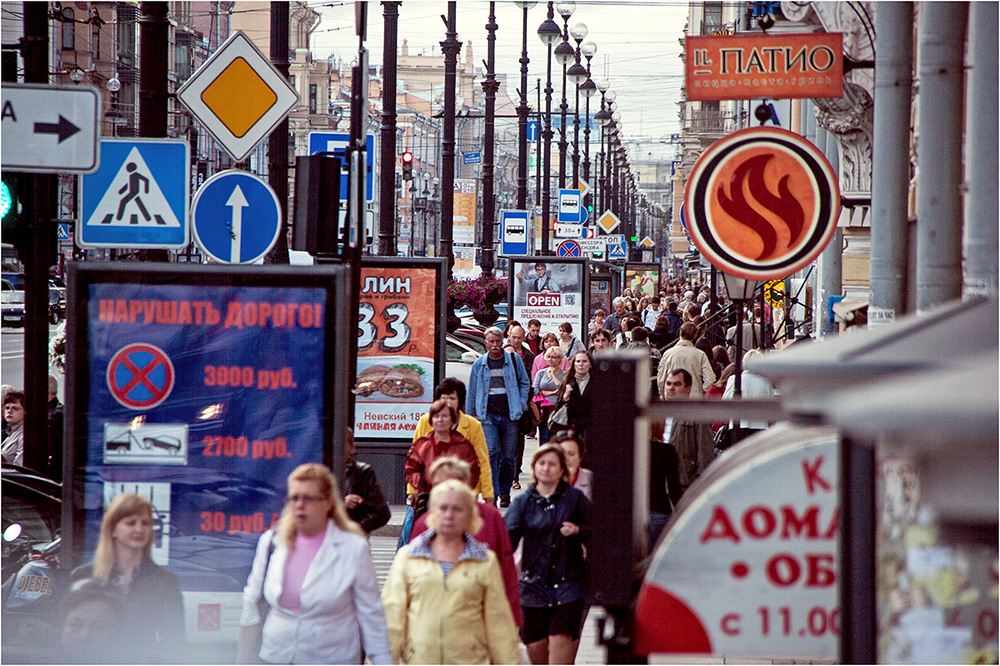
x: 487, y: 316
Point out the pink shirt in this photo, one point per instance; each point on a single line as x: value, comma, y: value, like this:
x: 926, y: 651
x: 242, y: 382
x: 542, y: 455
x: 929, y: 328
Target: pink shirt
x: 296, y: 568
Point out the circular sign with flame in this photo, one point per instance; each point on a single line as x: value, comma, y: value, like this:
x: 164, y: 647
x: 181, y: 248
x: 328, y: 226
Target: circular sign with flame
x: 762, y: 203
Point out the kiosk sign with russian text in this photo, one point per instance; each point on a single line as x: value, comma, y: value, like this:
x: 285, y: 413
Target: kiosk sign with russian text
x: 398, y: 329
x: 201, y: 390
x: 764, y: 66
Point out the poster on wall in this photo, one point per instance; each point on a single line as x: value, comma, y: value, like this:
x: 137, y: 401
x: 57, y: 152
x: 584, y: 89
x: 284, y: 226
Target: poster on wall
x: 600, y: 295
x: 550, y: 290
x: 200, y: 389
x: 642, y: 279
x: 400, y: 339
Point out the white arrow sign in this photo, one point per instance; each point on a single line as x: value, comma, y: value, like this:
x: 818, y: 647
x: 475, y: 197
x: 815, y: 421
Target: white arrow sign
x: 237, y: 202
x: 50, y: 128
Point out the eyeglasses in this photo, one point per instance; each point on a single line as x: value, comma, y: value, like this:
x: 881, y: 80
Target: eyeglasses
x: 565, y: 434
x: 308, y: 499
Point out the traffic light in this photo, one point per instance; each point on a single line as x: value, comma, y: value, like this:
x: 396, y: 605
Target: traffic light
x: 10, y: 206
x: 407, y: 158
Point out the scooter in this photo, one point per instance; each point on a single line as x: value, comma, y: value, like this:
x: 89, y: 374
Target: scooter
x: 30, y: 603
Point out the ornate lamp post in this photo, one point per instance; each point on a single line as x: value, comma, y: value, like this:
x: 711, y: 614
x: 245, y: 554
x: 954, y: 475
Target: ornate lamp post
x: 548, y: 32
x: 589, y: 89
x: 563, y: 53
x: 576, y: 75
x: 602, y: 118
x: 523, y: 109
x: 490, y: 87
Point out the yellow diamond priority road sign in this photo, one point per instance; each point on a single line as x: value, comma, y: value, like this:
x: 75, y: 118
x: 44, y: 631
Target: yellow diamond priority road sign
x: 238, y: 96
x: 608, y: 222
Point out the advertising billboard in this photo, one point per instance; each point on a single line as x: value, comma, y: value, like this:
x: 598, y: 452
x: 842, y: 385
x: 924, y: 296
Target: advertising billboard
x: 200, y: 389
x: 400, y: 341
x: 642, y: 279
x: 550, y: 290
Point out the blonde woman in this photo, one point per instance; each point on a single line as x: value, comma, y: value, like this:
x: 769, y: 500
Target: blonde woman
x: 548, y: 340
x: 152, y: 595
x: 444, y: 597
x: 546, y: 384
x: 315, y: 572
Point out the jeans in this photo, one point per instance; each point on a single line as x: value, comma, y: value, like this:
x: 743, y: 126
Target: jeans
x: 657, y: 521
x: 501, y: 441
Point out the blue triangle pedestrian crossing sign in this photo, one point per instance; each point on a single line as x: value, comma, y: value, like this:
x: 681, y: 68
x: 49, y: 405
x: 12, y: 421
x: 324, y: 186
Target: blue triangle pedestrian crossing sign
x: 138, y: 197
x: 616, y: 251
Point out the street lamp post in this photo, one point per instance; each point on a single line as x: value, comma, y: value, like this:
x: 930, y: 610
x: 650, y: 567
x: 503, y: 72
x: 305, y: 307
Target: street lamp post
x: 589, y: 89
x: 548, y: 32
x: 522, y: 110
x: 602, y: 117
x: 577, y: 74
x: 490, y: 87
x: 450, y: 47
x: 563, y: 53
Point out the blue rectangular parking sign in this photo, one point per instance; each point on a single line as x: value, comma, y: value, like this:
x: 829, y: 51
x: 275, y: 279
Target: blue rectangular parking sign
x: 200, y: 390
x: 138, y: 198
x: 336, y: 143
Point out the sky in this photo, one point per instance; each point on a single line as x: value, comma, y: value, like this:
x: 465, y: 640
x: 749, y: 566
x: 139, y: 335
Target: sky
x: 637, y: 51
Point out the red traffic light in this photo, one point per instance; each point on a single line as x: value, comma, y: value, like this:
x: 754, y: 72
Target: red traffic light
x: 407, y: 157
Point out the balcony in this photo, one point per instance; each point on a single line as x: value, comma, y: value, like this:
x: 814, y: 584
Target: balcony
x: 709, y: 121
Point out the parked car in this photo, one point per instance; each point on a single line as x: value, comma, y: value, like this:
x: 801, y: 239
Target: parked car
x: 12, y: 305
x: 459, y: 357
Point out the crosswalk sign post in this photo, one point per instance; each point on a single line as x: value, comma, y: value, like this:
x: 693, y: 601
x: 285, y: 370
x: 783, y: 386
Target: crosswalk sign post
x: 138, y: 198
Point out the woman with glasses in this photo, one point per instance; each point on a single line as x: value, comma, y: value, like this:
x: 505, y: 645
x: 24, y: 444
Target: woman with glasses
x: 546, y: 385
x: 123, y: 564
x: 444, y: 596
x: 553, y: 520
x: 548, y: 341
x: 314, y: 572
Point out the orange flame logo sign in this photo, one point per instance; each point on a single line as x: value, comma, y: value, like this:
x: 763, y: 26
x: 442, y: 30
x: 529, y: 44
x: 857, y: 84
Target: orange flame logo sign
x: 761, y: 203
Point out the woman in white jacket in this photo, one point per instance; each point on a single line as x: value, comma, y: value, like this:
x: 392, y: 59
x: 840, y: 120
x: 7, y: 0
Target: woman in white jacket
x: 315, y: 573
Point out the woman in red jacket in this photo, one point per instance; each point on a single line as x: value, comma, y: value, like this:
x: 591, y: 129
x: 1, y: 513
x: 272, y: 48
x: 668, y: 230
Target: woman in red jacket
x: 442, y: 441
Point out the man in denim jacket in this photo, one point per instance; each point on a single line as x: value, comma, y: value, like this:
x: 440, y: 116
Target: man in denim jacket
x: 498, y: 392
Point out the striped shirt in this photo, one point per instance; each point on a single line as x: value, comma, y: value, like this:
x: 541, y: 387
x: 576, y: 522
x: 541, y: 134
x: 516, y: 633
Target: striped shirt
x: 496, y: 401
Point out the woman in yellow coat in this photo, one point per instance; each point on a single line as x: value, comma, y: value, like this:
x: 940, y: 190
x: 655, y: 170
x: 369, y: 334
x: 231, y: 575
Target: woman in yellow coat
x: 444, y: 598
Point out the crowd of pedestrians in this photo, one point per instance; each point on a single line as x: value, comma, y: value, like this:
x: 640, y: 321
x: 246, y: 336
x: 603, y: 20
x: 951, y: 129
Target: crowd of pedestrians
x: 468, y: 583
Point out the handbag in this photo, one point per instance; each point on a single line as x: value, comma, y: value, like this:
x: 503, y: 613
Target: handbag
x: 559, y: 419
x: 723, y: 438
x: 404, y: 534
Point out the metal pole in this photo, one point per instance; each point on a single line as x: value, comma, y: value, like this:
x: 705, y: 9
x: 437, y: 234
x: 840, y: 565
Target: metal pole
x: 277, y: 143
x: 830, y: 261
x: 576, y: 129
x: 387, y: 166
x: 38, y: 250
x: 981, y: 218
x: 538, y: 164
x: 941, y: 34
x: 490, y: 87
x: 563, y: 108
x: 547, y: 137
x: 586, y: 141
x: 450, y: 47
x: 522, y: 122
x: 858, y: 553
x: 891, y: 160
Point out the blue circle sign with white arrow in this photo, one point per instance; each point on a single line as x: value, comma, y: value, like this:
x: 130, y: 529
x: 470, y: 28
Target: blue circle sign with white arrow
x: 236, y: 217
